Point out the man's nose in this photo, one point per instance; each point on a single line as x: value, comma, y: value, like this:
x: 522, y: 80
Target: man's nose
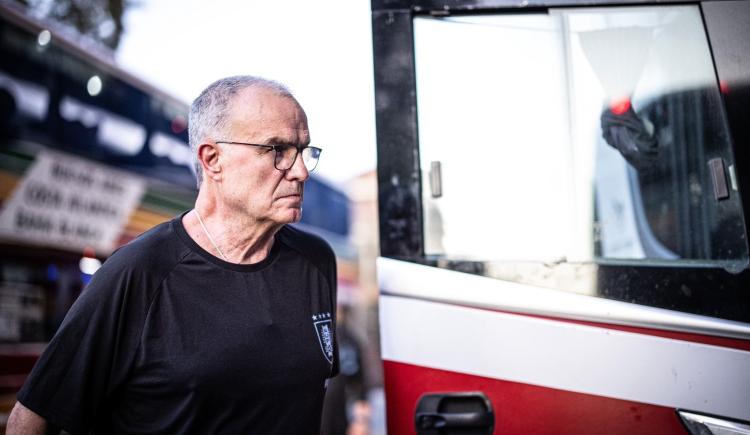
x: 298, y: 171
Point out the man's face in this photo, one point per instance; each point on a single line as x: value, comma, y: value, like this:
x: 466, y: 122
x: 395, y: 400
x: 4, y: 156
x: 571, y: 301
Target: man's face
x: 251, y: 184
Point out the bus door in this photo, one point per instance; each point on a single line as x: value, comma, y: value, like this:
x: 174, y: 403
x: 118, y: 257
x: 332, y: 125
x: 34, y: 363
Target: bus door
x: 563, y: 237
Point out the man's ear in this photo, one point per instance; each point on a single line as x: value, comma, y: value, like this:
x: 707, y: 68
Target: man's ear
x: 208, y: 155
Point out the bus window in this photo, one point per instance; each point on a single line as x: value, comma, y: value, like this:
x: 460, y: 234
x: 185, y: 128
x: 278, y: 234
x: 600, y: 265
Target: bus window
x: 575, y: 135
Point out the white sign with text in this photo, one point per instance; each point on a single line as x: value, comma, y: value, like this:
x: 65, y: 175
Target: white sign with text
x: 70, y: 203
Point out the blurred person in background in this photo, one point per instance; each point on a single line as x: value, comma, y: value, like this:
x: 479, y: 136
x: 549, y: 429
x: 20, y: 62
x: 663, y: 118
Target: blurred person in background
x: 219, y: 321
x: 346, y: 410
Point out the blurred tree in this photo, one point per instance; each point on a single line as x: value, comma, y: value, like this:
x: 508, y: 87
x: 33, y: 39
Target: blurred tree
x: 100, y: 20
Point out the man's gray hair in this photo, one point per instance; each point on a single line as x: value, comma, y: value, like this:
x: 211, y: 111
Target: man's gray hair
x: 209, y: 112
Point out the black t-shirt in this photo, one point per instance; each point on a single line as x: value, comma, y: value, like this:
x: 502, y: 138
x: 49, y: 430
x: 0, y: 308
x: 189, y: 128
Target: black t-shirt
x: 167, y: 338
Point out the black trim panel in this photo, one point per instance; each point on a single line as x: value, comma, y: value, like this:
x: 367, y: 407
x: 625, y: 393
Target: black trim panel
x: 728, y: 29
x: 441, y: 7
x: 399, y: 184
x: 701, y: 290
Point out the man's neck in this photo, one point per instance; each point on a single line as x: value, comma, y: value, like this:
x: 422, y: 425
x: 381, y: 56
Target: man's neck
x: 238, y: 238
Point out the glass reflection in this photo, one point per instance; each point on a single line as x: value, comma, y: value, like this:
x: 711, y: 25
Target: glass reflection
x: 578, y: 135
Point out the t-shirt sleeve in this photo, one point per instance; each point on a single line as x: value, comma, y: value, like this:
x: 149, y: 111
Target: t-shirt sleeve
x: 90, y: 355
x: 333, y: 280
x: 321, y: 255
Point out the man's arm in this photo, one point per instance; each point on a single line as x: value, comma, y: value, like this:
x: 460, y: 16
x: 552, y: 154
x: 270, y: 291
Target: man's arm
x: 23, y: 421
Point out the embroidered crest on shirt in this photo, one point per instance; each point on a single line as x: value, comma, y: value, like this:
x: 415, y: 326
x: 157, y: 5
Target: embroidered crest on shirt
x: 324, y: 328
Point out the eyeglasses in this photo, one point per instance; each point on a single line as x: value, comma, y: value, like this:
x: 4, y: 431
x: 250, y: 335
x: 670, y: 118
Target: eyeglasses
x: 286, y: 155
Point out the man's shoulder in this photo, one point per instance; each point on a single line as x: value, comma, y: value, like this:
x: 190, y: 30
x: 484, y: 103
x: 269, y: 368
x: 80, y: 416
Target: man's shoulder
x: 133, y: 273
x: 156, y: 249
x: 307, y: 244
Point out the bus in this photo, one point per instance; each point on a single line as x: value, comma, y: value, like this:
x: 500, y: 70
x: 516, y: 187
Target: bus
x: 563, y: 200
x: 90, y: 157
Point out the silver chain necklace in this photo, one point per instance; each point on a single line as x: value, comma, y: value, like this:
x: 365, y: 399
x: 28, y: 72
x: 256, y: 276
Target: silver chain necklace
x: 210, y: 239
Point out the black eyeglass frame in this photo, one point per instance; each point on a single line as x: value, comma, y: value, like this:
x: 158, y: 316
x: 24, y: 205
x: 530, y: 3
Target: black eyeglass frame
x: 278, y: 149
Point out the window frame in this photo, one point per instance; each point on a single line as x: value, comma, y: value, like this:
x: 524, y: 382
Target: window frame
x: 686, y: 288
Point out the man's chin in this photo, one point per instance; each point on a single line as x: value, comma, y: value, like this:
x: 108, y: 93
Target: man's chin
x: 291, y: 216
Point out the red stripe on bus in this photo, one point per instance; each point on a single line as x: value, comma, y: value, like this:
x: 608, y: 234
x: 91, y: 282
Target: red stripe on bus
x: 523, y: 408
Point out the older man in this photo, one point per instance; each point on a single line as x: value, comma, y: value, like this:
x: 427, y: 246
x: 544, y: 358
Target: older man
x: 219, y: 321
